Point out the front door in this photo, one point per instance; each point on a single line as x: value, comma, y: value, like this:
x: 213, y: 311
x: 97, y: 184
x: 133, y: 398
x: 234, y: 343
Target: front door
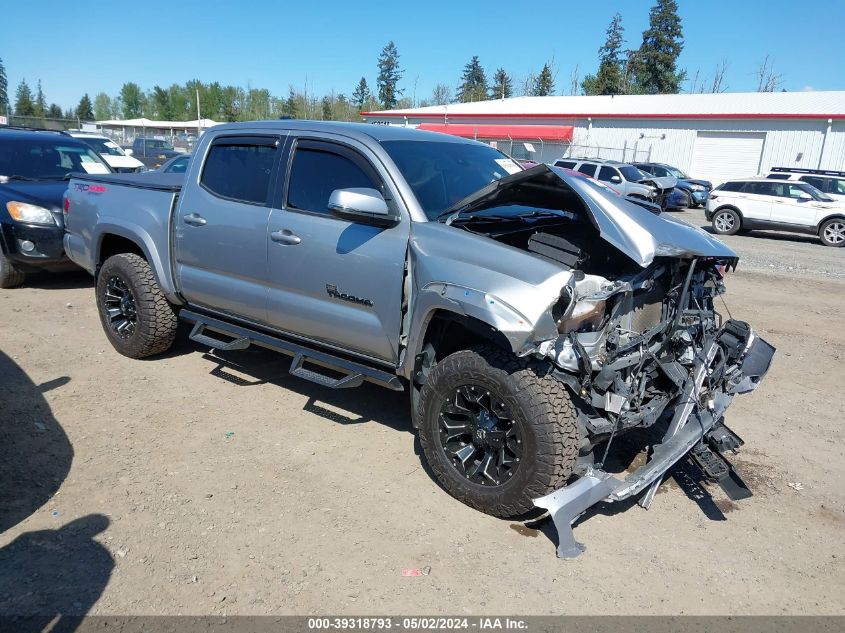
x: 795, y: 206
x: 330, y: 279
x: 221, y: 225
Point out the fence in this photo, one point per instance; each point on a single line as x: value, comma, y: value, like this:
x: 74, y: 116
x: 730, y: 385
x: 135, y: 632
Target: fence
x: 623, y: 154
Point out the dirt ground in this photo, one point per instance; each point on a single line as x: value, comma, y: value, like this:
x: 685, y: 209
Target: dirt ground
x: 193, y: 485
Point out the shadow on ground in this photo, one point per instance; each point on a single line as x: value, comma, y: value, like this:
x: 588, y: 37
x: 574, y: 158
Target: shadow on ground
x: 35, y: 453
x: 52, y: 577
x: 68, y: 280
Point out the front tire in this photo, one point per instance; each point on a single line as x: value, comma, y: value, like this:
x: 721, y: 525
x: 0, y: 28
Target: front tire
x: 726, y: 222
x: 134, y: 312
x: 832, y: 233
x: 10, y: 276
x: 498, y: 431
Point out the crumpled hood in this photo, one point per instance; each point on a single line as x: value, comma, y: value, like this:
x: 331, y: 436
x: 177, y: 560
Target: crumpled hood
x: 633, y: 230
x: 662, y: 182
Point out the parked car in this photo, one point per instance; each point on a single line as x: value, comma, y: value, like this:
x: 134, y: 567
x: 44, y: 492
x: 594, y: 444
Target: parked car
x: 532, y: 315
x: 678, y: 199
x: 34, y: 170
x: 111, y: 152
x: 776, y: 205
x: 831, y: 183
x: 697, y: 190
x: 625, y: 178
x: 176, y: 165
x: 153, y: 152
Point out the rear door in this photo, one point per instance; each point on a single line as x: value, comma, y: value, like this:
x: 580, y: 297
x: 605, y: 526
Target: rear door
x: 755, y: 200
x: 333, y: 280
x: 221, y: 225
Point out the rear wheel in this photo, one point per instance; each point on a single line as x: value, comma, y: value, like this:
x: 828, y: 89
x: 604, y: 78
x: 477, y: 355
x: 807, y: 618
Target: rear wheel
x: 10, y: 276
x: 726, y: 222
x: 135, y: 314
x: 497, y: 431
x: 832, y: 232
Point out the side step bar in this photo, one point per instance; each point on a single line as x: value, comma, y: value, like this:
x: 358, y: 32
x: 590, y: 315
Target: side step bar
x: 243, y: 337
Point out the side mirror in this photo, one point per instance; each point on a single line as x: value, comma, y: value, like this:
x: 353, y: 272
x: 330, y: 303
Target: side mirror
x: 804, y: 196
x: 362, y: 205
x: 128, y: 152
x: 615, y: 179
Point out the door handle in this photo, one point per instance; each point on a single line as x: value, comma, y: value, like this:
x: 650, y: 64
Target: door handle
x: 285, y: 237
x: 194, y: 219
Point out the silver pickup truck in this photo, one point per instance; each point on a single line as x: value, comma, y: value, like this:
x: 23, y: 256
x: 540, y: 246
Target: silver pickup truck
x: 533, y: 315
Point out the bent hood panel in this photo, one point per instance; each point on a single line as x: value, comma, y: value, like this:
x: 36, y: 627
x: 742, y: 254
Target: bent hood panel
x: 633, y: 230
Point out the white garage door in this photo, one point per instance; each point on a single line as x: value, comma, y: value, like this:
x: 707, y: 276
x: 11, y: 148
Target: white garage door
x: 720, y: 156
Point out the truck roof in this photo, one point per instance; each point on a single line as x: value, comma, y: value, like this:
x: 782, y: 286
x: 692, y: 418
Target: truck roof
x: 356, y: 130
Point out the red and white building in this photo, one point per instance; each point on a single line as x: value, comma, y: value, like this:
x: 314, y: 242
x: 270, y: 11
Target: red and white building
x: 711, y: 136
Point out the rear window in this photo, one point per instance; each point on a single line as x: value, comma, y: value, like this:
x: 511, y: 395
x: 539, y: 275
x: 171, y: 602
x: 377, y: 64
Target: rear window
x: 568, y: 164
x: 240, y: 169
x: 588, y: 169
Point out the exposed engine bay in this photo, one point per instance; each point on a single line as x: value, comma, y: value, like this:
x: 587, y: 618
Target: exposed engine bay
x: 629, y: 336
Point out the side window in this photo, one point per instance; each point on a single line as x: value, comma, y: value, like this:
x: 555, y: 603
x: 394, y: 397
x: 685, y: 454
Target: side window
x: 239, y: 168
x: 657, y: 171
x: 568, y: 164
x: 731, y: 186
x: 775, y: 176
x: 606, y: 173
x: 821, y: 184
x: 793, y: 191
x: 587, y: 169
x: 836, y: 186
x: 316, y: 173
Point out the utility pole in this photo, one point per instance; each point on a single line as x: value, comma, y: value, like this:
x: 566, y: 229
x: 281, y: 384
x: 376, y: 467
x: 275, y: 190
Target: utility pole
x: 199, y: 124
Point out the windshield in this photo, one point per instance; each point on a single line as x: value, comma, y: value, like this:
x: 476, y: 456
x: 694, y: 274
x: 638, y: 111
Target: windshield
x: 677, y: 173
x: 632, y: 174
x: 104, y: 146
x: 46, y: 159
x: 441, y: 173
x: 816, y: 193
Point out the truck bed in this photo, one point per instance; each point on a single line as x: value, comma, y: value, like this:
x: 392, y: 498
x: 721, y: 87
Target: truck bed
x: 148, y: 180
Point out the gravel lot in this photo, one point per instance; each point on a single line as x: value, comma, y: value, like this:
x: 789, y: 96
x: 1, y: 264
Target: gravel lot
x: 191, y: 484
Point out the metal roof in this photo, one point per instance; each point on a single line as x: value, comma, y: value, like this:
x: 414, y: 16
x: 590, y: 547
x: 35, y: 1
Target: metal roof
x: 816, y: 105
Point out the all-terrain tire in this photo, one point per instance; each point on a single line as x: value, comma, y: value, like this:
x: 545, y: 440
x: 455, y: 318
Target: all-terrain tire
x: 155, y: 319
x: 538, y: 402
x: 10, y: 276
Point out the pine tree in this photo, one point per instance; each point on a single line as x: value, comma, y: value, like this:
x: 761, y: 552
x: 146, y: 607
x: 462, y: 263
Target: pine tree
x: 4, y: 89
x: 40, y: 105
x: 326, y: 107
x: 609, y: 78
x: 54, y: 111
x: 23, y: 100
x: 85, y: 111
x: 545, y: 84
x: 655, y: 64
x: 502, y: 87
x: 389, y: 75
x: 361, y: 94
x: 473, y: 82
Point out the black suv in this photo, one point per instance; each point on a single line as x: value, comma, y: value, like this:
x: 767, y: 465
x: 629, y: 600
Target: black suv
x: 153, y: 152
x: 34, y: 169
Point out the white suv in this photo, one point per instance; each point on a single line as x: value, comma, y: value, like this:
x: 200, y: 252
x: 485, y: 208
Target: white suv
x: 830, y: 182
x: 111, y: 152
x: 776, y: 205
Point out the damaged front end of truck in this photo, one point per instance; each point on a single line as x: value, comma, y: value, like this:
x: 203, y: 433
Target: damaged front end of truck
x: 637, y: 338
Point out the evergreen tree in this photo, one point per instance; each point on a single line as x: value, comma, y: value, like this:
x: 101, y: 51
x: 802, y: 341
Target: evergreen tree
x: 24, y: 105
x: 389, y: 75
x: 655, y: 64
x: 361, y: 94
x: 40, y: 105
x: 69, y: 114
x: 502, y: 87
x: 610, y: 78
x: 54, y: 111
x: 473, y: 82
x: 4, y: 89
x: 85, y: 111
x: 326, y: 108
x: 545, y: 84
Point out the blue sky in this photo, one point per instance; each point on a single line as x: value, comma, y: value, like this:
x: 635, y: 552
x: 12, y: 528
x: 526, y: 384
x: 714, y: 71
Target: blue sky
x: 96, y: 46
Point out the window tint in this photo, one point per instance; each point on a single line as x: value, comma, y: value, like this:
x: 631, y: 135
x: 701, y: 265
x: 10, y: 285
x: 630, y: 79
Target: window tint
x: 178, y: 166
x: 239, y: 170
x: 775, y: 176
x: 763, y: 188
x: 606, y: 173
x: 588, y: 169
x: 631, y: 174
x: 568, y: 164
x: 731, y: 186
x: 316, y: 173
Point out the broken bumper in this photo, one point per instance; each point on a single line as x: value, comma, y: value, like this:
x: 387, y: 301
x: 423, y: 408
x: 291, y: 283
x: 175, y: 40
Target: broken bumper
x: 694, y: 423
